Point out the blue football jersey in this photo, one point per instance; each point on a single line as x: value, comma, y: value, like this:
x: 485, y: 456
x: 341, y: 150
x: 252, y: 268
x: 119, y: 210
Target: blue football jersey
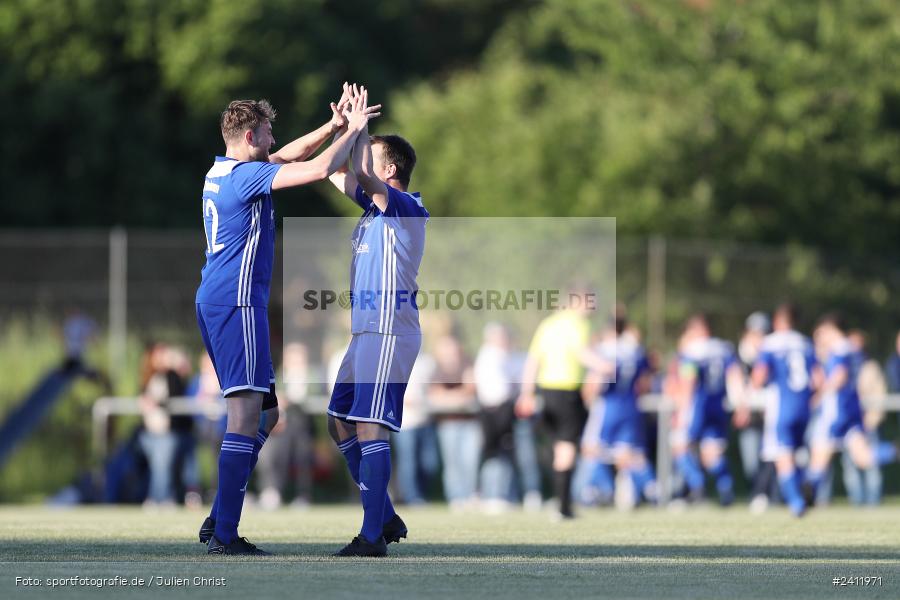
x: 631, y: 362
x: 387, y: 251
x: 239, y: 220
x: 710, y: 360
x: 847, y: 396
x: 790, y: 359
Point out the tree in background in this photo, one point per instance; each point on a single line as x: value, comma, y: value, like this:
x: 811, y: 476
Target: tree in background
x: 110, y: 107
x: 765, y: 120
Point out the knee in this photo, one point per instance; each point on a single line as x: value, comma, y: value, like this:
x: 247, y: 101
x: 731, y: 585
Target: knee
x: 370, y: 432
x: 564, y: 456
x: 243, y: 424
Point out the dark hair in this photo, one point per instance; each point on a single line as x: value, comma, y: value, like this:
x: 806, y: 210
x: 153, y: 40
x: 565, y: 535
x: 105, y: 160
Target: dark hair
x: 397, y: 152
x: 788, y: 311
x: 835, y: 319
x: 242, y: 115
x: 698, y: 319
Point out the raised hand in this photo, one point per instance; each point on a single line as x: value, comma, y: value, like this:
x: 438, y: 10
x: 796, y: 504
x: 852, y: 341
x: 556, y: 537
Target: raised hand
x: 339, y: 111
x: 360, y: 113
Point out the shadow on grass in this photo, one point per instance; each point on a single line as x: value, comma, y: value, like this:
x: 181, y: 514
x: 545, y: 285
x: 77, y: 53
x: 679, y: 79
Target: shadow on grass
x: 166, y: 551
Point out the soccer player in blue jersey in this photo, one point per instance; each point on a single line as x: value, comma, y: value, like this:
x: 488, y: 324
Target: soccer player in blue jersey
x: 786, y: 358
x: 707, y: 368
x: 840, y: 422
x: 232, y: 300
x: 614, y: 433
x: 367, y: 401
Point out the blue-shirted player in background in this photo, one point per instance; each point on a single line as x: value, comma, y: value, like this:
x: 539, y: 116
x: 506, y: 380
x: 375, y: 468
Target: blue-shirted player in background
x: 614, y: 433
x: 840, y: 415
x: 233, y: 296
x: 707, y: 368
x: 367, y: 402
x: 786, y: 358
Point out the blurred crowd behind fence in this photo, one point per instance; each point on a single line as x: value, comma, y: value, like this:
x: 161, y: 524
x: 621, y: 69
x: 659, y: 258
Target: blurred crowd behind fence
x: 138, y: 286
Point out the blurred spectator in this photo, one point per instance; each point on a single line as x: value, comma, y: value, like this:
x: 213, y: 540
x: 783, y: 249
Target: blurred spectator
x: 528, y: 468
x: 452, y: 396
x: 158, y: 442
x: 415, y: 445
x: 286, y: 460
x: 209, y: 403
x: 496, y: 372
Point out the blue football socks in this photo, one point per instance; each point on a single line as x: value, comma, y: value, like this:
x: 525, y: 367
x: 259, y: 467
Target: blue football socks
x: 644, y: 482
x: 602, y: 479
x: 261, y: 437
x: 690, y: 469
x: 374, y: 474
x: 352, y: 452
x: 234, y: 470
x: 790, y: 491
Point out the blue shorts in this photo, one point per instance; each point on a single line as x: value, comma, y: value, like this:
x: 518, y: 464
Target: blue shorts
x: 614, y: 426
x: 372, y: 378
x: 237, y: 341
x: 702, y: 426
x: 783, y: 431
x: 832, y: 425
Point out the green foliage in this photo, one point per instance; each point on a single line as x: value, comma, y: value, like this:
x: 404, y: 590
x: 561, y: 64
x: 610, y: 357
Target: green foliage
x: 767, y: 121
x: 110, y: 107
x: 758, y: 120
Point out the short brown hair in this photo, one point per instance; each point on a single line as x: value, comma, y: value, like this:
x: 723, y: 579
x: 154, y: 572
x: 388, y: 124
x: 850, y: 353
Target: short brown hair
x: 397, y: 152
x: 242, y: 115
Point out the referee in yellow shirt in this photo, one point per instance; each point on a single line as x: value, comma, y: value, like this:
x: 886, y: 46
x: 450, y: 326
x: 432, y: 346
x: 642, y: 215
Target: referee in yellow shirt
x: 555, y: 371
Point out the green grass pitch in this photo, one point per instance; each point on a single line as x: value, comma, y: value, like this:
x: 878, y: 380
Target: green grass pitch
x: 699, y: 553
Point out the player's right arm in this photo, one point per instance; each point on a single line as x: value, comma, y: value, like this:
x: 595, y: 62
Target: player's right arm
x: 319, y: 168
x: 343, y: 178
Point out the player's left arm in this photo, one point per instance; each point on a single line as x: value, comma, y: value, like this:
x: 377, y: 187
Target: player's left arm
x: 304, y: 147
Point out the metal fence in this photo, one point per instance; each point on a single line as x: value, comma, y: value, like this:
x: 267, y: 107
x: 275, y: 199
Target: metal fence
x: 142, y: 284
